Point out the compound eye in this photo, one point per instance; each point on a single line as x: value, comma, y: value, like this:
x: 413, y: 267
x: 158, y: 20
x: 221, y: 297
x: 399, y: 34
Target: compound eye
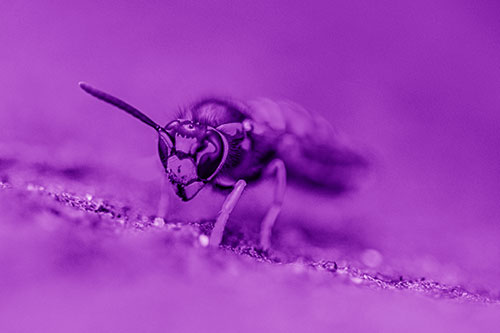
x: 211, y: 156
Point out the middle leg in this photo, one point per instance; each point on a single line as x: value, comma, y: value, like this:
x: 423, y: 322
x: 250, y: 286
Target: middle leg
x: 276, y: 167
x: 228, y: 206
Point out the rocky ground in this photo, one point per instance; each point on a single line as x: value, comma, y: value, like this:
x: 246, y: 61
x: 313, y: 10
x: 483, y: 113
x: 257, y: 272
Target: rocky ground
x: 81, y: 250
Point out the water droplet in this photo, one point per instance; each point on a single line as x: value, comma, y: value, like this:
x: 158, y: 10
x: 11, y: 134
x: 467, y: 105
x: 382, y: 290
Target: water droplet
x: 371, y: 258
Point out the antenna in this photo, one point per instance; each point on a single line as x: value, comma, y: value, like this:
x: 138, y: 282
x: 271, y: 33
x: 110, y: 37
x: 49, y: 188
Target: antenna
x: 119, y: 104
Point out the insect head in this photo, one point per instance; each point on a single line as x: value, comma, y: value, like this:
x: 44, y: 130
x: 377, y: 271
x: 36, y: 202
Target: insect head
x: 191, y: 153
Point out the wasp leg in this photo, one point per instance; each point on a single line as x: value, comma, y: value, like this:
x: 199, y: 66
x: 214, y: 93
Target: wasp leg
x: 164, y: 203
x: 227, y: 208
x: 276, y: 167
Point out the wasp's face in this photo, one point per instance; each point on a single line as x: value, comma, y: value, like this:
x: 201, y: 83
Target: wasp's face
x: 192, y: 154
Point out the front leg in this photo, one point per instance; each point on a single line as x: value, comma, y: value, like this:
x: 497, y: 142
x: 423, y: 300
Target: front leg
x: 165, y: 194
x: 276, y: 168
x: 227, y: 208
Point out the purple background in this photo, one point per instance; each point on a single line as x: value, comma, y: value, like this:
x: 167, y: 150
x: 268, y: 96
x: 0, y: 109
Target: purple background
x: 415, y: 83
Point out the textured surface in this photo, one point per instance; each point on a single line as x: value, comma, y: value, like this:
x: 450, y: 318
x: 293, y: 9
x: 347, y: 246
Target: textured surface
x: 414, y: 83
x: 77, y: 261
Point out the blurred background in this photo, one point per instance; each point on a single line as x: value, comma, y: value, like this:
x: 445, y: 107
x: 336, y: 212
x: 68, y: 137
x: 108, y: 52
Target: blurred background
x: 414, y: 83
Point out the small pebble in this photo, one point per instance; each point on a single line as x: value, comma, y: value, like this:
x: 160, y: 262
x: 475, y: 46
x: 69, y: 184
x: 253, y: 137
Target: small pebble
x: 203, y: 239
x: 158, y: 222
x: 297, y: 268
x: 356, y: 280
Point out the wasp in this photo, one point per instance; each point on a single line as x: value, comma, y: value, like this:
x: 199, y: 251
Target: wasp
x: 229, y: 144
